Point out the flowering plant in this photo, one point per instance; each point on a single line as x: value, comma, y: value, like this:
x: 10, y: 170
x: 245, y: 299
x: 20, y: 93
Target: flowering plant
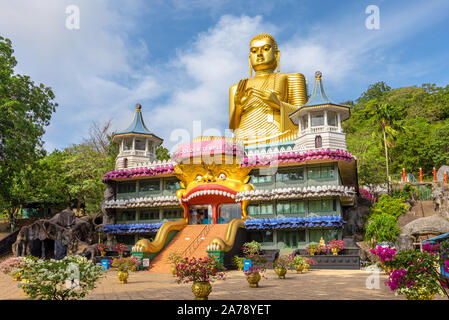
x: 415, y: 274
x: 120, y: 248
x: 310, y: 261
x: 175, y: 258
x: 102, y: 247
x: 284, y: 261
x: 125, y: 264
x: 298, y: 260
x: 199, y: 270
x: 384, y: 253
x: 66, y: 279
x: 254, y: 270
x: 12, y: 264
x: 314, y: 247
x: 252, y: 250
x: 336, y: 245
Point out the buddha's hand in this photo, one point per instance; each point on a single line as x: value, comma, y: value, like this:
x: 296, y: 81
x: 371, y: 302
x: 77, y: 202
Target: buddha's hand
x: 241, y: 97
x: 266, y: 95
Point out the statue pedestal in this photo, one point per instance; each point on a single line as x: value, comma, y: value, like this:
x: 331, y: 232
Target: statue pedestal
x: 219, y: 255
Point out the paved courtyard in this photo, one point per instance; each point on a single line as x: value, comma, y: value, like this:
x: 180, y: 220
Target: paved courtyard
x: 312, y: 285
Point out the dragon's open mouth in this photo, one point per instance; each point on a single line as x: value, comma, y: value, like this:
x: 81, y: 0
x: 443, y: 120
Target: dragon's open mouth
x: 209, y: 192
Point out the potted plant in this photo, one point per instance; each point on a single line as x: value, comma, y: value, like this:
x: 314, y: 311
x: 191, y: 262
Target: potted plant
x: 238, y: 262
x: 200, y: 272
x: 174, y: 258
x: 102, y: 247
x: 299, y: 263
x: 120, y: 248
x: 335, y: 246
x: 309, y: 262
x: 312, y: 248
x: 124, y: 265
x: 253, y: 275
x: 282, y: 264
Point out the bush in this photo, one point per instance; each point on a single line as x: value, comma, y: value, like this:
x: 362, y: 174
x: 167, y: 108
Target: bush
x: 67, y: 279
x: 381, y: 228
x: 390, y: 206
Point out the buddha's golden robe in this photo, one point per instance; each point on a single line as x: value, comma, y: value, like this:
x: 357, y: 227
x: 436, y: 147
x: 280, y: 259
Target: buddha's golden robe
x: 261, y: 123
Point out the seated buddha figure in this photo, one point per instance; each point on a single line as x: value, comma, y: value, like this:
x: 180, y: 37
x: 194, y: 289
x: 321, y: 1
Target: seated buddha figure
x: 259, y: 106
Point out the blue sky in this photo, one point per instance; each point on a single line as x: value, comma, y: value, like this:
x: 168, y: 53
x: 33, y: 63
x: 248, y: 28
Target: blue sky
x: 179, y: 58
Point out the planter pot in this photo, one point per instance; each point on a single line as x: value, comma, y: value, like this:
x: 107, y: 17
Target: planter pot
x: 281, y: 272
x: 173, y: 271
x: 103, y: 253
x: 335, y: 251
x: 299, y: 268
x: 306, y: 267
x: 201, y: 290
x: 122, y: 276
x: 253, y: 279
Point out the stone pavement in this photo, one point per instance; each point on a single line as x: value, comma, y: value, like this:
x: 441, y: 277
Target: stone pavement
x: 312, y: 285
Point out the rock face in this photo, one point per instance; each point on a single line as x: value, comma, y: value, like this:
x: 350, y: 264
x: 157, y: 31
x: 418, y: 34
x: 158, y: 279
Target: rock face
x: 355, y: 219
x: 421, y: 229
x: 440, y: 195
x: 65, y: 233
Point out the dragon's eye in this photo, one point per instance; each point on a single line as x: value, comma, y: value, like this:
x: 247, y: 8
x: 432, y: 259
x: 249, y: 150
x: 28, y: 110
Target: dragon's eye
x: 222, y: 176
x: 199, y: 177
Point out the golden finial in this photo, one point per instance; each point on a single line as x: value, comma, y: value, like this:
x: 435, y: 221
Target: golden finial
x: 318, y: 75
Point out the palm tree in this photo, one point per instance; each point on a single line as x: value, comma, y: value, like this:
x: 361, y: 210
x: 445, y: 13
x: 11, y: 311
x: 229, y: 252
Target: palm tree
x: 386, y: 122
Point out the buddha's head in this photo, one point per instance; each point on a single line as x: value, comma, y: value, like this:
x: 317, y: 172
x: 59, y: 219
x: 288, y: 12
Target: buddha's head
x: 263, y: 52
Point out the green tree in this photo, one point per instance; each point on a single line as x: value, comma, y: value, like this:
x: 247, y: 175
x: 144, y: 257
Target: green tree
x: 382, y: 227
x: 162, y: 153
x: 25, y: 109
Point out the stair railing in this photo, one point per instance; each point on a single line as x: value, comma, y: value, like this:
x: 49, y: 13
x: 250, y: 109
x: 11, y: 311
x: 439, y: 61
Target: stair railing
x: 196, y: 242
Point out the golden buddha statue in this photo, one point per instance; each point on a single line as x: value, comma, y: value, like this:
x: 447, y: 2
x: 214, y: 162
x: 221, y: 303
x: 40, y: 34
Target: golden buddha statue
x: 259, y: 106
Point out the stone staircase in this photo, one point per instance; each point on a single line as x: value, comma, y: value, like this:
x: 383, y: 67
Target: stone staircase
x: 191, y: 241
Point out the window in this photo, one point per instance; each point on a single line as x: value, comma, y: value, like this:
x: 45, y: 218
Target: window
x: 140, y: 144
x: 285, y: 176
x: 317, y: 119
x: 149, y: 215
x: 322, y: 206
x: 125, y: 163
x: 152, y: 185
x: 172, y: 185
x: 292, y: 239
x: 305, y: 122
x: 318, y: 142
x: 127, y: 144
x: 261, y: 236
x: 126, y: 187
x: 260, y: 209
x: 294, y: 207
x: 327, y: 234
x: 127, y: 216
x: 321, y: 172
x: 172, y: 214
x: 256, y: 179
x: 332, y: 118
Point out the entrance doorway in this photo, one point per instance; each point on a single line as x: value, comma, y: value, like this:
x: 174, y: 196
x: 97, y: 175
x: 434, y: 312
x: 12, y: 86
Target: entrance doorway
x: 200, y: 214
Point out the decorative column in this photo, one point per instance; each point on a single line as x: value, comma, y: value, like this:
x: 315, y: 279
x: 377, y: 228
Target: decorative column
x: 309, y: 122
x: 434, y: 174
x: 420, y: 174
x: 325, y: 120
x: 339, y: 121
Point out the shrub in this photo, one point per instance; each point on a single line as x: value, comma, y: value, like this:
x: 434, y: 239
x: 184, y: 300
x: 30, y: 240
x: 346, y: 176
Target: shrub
x: 199, y: 270
x: 67, y: 279
x: 381, y: 228
x: 125, y: 264
x: 388, y: 205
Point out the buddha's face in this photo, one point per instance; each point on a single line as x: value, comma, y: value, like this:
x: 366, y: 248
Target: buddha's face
x: 262, y: 54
